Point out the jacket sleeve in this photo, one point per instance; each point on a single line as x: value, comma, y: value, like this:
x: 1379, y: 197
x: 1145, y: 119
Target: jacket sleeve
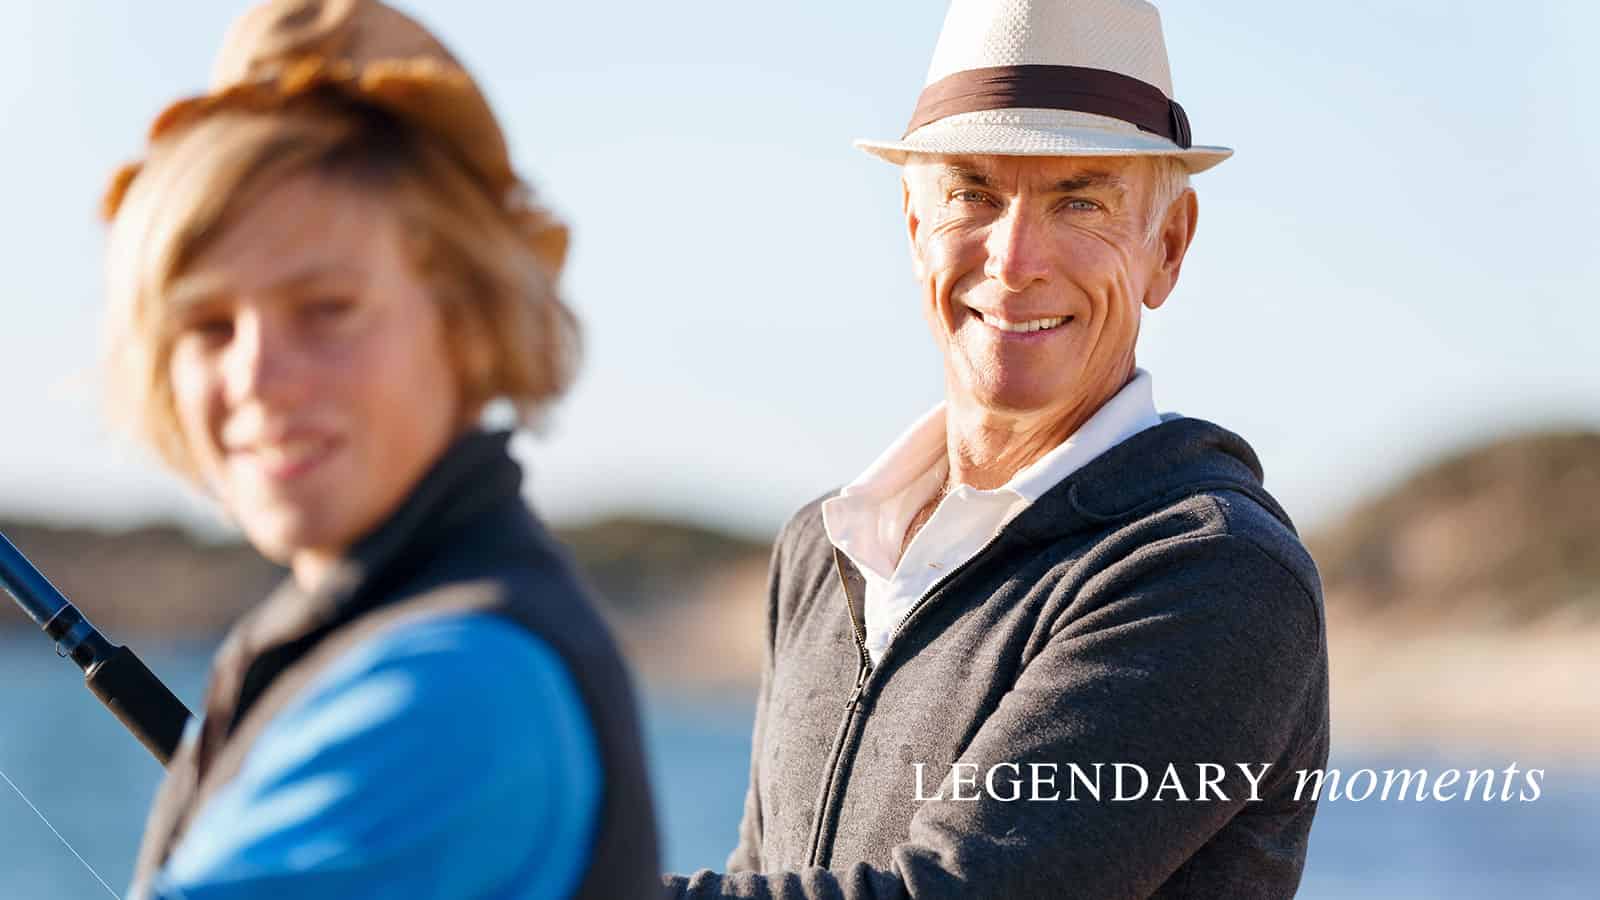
x: 746, y: 857
x: 1199, y: 649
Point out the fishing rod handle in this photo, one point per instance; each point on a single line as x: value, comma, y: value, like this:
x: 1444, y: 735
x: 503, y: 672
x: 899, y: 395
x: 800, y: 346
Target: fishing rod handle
x: 136, y: 696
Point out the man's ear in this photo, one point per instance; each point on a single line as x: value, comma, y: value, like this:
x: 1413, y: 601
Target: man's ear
x: 1172, y: 244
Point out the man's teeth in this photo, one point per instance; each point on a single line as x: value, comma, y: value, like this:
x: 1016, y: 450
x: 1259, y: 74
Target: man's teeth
x: 1023, y: 327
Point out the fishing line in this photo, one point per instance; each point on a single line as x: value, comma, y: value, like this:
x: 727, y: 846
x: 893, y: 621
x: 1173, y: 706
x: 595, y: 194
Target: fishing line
x: 58, y: 835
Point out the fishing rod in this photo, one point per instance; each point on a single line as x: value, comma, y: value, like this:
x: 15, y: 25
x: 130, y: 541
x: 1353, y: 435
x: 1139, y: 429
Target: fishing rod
x: 113, y: 673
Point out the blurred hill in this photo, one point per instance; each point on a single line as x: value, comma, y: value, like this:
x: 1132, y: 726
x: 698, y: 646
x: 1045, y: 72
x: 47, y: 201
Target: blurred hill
x: 1464, y: 603
x: 152, y: 581
x: 641, y: 565
x: 1502, y: 534
x: 159, y: 580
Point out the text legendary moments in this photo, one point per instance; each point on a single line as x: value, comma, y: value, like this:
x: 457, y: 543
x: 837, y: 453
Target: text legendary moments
x: 1123, y: 782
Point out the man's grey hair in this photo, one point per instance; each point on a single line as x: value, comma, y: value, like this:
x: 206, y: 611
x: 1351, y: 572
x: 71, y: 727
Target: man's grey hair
x: 1170, y: 178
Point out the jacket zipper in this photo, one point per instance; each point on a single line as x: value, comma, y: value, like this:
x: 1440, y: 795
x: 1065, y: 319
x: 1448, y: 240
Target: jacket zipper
x: 857, y: 630
x: 864, y: 666
x: 866, y: 669
x: 939, y: 586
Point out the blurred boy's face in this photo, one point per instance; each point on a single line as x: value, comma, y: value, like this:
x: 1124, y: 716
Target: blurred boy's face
x: 310, y: 372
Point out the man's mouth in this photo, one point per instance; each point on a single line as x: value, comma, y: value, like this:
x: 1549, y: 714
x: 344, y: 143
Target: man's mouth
x: 1024, y: 327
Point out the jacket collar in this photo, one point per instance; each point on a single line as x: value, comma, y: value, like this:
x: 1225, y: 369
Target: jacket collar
x: 475, y: 474
x: 1151, y: 469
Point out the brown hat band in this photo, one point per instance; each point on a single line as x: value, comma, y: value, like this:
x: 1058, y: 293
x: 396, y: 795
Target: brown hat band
x: 1074, y: 88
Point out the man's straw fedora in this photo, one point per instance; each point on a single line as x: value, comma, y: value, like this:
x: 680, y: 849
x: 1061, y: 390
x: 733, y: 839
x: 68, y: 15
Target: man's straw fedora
x: 1050, y: 78
x: 282, y: 51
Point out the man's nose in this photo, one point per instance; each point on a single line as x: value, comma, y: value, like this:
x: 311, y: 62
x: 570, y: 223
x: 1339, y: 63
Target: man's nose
x: 260, y: 362
x: 1018, y: 252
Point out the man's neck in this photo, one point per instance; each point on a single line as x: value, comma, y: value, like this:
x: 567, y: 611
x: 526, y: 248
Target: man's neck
x: 988, y: 448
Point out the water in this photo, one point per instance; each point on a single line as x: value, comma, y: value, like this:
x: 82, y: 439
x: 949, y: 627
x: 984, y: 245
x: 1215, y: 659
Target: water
x: 94, y: 782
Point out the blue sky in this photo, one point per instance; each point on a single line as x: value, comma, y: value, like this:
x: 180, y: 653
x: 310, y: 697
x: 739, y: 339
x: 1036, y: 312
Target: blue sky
x: 1400, y: 259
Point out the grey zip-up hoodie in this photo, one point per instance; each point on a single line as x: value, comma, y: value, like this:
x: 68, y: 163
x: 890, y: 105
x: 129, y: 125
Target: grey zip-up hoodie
x: 1155, y: 609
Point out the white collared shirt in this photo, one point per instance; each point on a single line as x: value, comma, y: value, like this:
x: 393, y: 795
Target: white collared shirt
x: 867, y: 521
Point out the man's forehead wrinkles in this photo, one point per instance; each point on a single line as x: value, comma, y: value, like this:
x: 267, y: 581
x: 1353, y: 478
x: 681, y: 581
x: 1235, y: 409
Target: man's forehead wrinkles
x: 965, y: 173
x: 1090, y: 180
x: 1023, y: 174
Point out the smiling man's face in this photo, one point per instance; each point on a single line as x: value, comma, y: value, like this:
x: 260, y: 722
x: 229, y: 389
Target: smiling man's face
x: 1035, y: 269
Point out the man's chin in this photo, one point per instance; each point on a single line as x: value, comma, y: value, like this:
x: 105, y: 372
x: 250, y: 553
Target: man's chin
x: 1021, y: 397
x: 1017, y: 387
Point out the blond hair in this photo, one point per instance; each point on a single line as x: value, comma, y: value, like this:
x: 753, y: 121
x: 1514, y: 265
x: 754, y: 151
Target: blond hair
x: 492, y: 268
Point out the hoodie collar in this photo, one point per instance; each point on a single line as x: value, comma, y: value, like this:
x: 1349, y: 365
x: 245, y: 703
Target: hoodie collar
x: 1151, y: 469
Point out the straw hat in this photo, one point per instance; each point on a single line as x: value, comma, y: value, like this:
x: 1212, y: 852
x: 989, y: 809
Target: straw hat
x: 281, y: 50
x: 1050, y: 78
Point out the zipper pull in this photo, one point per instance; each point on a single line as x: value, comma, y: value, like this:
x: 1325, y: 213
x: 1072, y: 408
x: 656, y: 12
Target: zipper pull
x: 855, y: 696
